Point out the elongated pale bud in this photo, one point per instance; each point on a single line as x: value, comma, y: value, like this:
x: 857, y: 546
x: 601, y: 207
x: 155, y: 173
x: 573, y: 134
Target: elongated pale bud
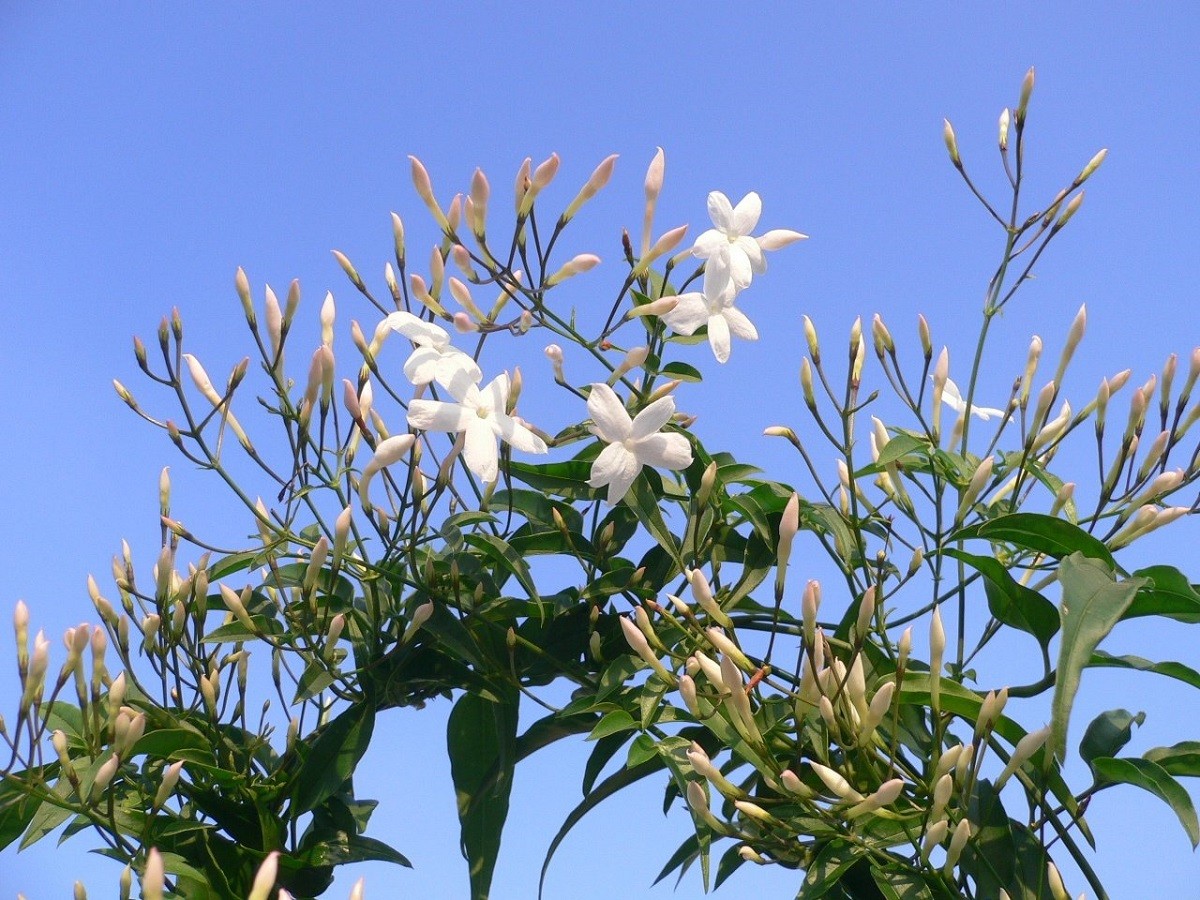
x: 793, y: 785
x: 881, y: 337
x: 789, y: 524
x: 756, y: 812
x: 166, y: 787
x: 941, y: 371
x: 1026, y: 747
x: 264, y: 878
x: 837, y: 785
x: 419, y: 617
x: 544, y: 173
x: 664, y: 245
x: 574, y: 266
x: 387, y: 452
x: 1003, y: 125
x: 1074, y: 336
x: 809, y: 605
x: 880, y: 704
x: 595, y: 183
x: 942, y: 792
x: 934, y: 835
x: 702, y: 591
x: 237, y: 605
x: 726, y: 646
x: 153, y: 876
x: 1026, y: 92
x: 480, y: 192
x: 633, y: 359
x: 703, y: 765
x: 653, y: 187
x: 903, y: 648
x: 242, y: 285
x: 979, y: 479
x: 951, y: 143
x: 1072, y: 208
x: 555, y: 355
x: 104, y: 775
x: 712, y: 671
x: 948, y: 760
x: 341, y: 534
x: 687, y: 689
x: 1031, y: 364
x: 886, y: 795
x: 1092, y: 165
x: 989, y: 711
x: 962, y: 766
x: 962, y: 834
x: 708, y: 481
x: 866, y: 612
x: 937, y: 647
x: 274, y: 322
x: 638, y: 643
x: 659, y: 307
x: 21, y: 629
x: 333, y: 635
x: 1162, y: 484
x: 424, y: 188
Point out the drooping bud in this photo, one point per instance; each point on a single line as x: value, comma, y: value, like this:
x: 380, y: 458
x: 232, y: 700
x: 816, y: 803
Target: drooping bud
x: 387, y: 452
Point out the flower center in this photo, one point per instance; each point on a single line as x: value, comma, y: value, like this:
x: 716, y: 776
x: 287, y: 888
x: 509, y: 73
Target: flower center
x: 483, y: 412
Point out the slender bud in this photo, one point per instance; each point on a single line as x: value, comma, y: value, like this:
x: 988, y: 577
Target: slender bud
x: 595, y: 183
x: 167, y: 786
x: 638, y: 643
x: 480, y: 192
x: 1026, y: 747
x: 264, y: 878
x: 881, y: 336
x: 887, y: 794
x: 687, y: 688
x: 702, y: 591
x: 937, y: 646
x: 809, y: 605
x: 1092, y: 166
x: 577, y: 264
x: 633, y: 359
x: 664, y: 245
x: 1031, y: 364
x: 653, y: 186
x: 424, y: 188
x: 962, y: 833
x: 866, y: 612
x: 1026, y: 92
x: 837, y: 785
x: 951, y: 143
x: 925, y: 337
x: 979, y: 479
x: 789, y: 524
x: 934, y: 835
x: 1005, y: 120
x: 903, y: 648
x: 880, y: 704
x: 153, y: 876
x: 341, y: 534
x: 104, y: 775
x: 1072, y: 208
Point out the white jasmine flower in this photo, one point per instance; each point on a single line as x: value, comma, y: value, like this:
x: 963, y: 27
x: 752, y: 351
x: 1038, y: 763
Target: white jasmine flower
x: 712, y: 307
x: 434, y: 359
x: 632, y: 443
x: 952, y: 398
x: 480, y: 414
x: 729, y: 247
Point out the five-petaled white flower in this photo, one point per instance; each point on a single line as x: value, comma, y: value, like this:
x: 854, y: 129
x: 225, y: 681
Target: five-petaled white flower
x: 729, y: 247
x: 712, y: 307
x: 632, y: 443
x: 952, y: 398
x: 480, y: 413
x: 434, y: 359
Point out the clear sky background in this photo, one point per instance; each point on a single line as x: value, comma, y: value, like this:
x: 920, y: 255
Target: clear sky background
x: 147, y: 151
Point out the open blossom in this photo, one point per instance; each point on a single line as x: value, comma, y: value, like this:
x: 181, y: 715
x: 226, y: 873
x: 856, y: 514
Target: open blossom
x: 952, y: 398
x: 481, y: 414
x: 632, y: 443
x: 434, y: 359
x: 712, y: 307
x: 729, y: 247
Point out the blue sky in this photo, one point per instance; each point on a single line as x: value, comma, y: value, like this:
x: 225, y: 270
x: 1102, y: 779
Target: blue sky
x: 147, y: 151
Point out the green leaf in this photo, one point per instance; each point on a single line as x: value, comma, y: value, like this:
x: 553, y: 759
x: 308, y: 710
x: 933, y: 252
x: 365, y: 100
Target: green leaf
x: 1011, y: 602
x: 644, y: 503
x: 615, y: 782
x: 481, y: 738
x: 332, y: 757
x: 1169, y: 668
x: 898, y: 447
x: 17, y: 809
x: 567, y: 479
x: 831, y: 863
x: 1092, y: 603
x: 1041, y: 533
x: 1169, y: 594
x: 613, y: 722
x: 354, y: 848
x: 1152, y: 777
x: 1108, y: 733
x: 682, y: 372
x: 901, y: 884
x: 1179, y: 759
x: 507, y: 559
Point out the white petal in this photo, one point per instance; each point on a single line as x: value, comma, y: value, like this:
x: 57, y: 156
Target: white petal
x: 709, y: 243
x: 434, y: 415
x: 740, y: 269
x: 719, y: 288
x: 665, y: 451
x: 494, y: 394
x: 745, y: 215
x: 754, y: 253
x: 720, y: 210
x: 738, y: 324
x: 456, y: 371
x: 952, y: 398
x: 421, y: 366
x: 517, y: 435
x: 608, y: 412
x: 616, y: 467
x: 417, y: 330
x: 718, y: 337
x: 779, y: 237
x: 690, y: 313
x: 653, y: 417
x: 480, y: 450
